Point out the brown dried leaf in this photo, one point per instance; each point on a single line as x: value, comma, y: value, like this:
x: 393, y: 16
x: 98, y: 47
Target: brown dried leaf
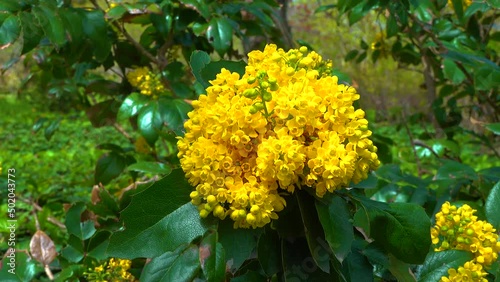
x: 42, y: 248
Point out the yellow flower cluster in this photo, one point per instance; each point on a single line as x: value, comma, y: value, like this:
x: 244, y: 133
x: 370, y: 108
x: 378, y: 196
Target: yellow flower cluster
x: 465, y: 3
x: 286, y: 123
x: 112, y: 270
x: 459, y: 229
x: 146, y: 81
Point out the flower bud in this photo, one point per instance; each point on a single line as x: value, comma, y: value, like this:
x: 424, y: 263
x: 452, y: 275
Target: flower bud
x: 251, y: 80
x: 266, y: 97
x: 251, y: 93
x: 258, y: 105
x: 204, y: 213
x: 264, y: 84
x: 303, y: 49
x: 255, y: 209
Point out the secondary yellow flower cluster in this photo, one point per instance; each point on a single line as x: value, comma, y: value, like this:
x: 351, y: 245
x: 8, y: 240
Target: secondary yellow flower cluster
x: 146, y: 81
x: 286, y: 123
x: 459, y: 229
x: 465, y: 3
x: 112, y: 270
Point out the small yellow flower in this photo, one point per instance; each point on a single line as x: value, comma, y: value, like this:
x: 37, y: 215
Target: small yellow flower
x: 148, y: 83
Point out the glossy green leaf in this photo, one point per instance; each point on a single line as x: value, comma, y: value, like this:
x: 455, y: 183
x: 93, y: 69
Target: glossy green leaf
x: 220, y: 34
x: 492, y: 206
x: 73, y: 252
x: 98, y: 244
x: 335, y: 219
x: 32, y: 33
x: 96, y: 28
x: 180, y: 265
x: 116, y: 12
x: 493, y: 127
x: 51, y: 23
x: 82, y: 230
x: 210, y: 71
x: 150, y: 122
x: 132, y: 105
x: 51, y: 129
x: 109, y: 166
x: 176, y: 228
x: 268, y: 252
x: 351, y: 55
x: 436, y: 264
x: 402, y: 271
x: 392, y: 26
x: 161, y: 215
x: 23, y: 269
x: 313, y: 229
x: 173, y: 113
x: 38, y: 124
x: 73, y: 21
x: 455, y: 170
x: 406, y: 229
x: 199, y: 6
x: 452, y: 72
x: 458, y: 8
x: 298, y: 263
x: 9, y: 30
x: 150, y: 167
x: 9, y: 6
x: 238, y: 243
x: 212, y: 258
x: 198, y: 61
x: 486, y: 78
x: 357, y: 267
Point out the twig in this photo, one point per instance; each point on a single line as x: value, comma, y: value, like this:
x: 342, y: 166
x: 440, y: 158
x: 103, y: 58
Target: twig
x: 51, y: 219
x: 134, y: 185
x: 123, y: 132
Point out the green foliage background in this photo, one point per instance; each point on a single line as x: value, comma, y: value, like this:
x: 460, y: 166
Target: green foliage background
x: 96, y: 161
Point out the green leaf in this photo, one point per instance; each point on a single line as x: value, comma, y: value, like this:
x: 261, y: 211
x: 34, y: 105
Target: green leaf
x: 250, y: 276
x: 51, y: 24
x: 74, y: 250
x: 313, y: 229
x: 486, y: 78
x: 392, y: 26
x: 400, y: 270
x: 492, y: 206
x: 73, y: 21
x: 109, y: 166
x: 455, y: 170
x: 452, y: 72
x: 150, y: 122
x: 9, y: 30
x: 180, y: 265
x: 198, y: 61
x: 82, y: 230
x: 51, y: 129
x: 116, y: 12
x: 25, y: 268
x: 335, y: 219
x: 405, y: 231
x: 32, y: 33
x: 9, y: 6
x: 210, y: 71
x: 132, y: 105
x: 351, y: 55
x: 220, y: 34
x: 199, y: 6
x: 459, y: 10
x: 173, y: 113
x: 98, y: 244
x: 103, y: 113
x: 212, y: 258
x: 150, y: 167
x: 238, y: 243
x: 268, y: 252
x: 356, y: 266
x: 436, y: 264
x: 494, y: 127
x: 161, y: 215
x: 96, y: 28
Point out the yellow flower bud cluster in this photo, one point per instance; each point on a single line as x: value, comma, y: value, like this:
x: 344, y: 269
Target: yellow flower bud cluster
x: 146, y: 81
x: 459, y: 229
x: 286, y: 123
x: 465, y: 3
x: 112, y: 270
